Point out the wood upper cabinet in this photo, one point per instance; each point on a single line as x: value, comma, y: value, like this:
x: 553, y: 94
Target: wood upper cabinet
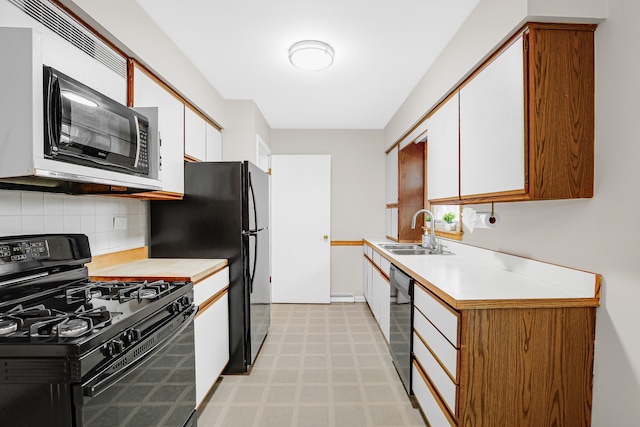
x: 527, y: 120
x: 411, y: 164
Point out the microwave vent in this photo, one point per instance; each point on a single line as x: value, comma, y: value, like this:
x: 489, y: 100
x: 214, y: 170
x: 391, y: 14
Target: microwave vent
x: 72, y: 31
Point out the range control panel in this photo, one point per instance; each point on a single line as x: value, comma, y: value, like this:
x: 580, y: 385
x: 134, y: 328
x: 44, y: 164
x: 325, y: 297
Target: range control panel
x: 23, y: 251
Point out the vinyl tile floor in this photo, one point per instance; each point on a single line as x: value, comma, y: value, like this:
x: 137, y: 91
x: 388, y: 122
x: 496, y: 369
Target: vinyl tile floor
x: 320, y: 366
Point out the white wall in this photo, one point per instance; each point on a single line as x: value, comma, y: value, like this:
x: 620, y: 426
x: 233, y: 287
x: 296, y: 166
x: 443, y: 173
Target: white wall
x: 598, y: 234
x: 244, y: 122
x: 357, y: 192
x: 30, y: 212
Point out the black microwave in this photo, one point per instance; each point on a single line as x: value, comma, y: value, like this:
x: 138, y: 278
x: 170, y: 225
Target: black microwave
x: 85, y: 127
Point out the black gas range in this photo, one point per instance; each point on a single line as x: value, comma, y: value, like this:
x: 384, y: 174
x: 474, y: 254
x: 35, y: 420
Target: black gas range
x: 75, y: 352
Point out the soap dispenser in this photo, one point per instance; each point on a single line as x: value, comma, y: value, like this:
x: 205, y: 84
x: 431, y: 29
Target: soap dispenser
x: 426, y: 238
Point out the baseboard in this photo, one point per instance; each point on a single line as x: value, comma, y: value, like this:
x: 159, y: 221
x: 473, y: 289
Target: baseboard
x: 342, y: 298
x: 347, y: 298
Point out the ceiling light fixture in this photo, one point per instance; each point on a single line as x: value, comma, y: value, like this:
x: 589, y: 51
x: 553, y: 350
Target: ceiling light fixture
x: 311, y: 55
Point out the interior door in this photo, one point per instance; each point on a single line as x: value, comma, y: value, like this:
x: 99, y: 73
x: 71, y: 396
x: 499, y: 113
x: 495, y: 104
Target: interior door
x: 301, y: 224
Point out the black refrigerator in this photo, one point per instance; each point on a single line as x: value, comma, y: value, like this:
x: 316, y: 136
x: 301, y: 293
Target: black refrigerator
x: 224, y: 214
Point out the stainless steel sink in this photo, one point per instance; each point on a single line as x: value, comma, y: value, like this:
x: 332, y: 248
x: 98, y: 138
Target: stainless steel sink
x: 417, y: 251
x: 394, y: 246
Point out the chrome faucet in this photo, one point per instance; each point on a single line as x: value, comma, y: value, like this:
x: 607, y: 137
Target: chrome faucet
x: 434, y: 245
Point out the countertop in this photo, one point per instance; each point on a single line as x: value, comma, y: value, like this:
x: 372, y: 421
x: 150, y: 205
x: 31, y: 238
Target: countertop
x: 480, y: 278
x: 170, y: 269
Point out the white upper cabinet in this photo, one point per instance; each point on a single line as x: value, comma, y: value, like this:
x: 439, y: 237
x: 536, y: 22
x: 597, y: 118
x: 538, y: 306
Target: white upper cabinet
x: 391, y: 176
x: 492, y: 139
x: 442, y: 151
x: 148, y: 93
x: 195, y: 135
x: 214, y: 144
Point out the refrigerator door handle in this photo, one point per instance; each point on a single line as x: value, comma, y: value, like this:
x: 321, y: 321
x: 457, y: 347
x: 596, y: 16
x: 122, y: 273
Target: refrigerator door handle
x: 255, y: 262
x: 253, y: 199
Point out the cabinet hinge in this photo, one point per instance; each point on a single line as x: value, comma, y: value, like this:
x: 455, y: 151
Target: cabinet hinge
x: 525, y: 43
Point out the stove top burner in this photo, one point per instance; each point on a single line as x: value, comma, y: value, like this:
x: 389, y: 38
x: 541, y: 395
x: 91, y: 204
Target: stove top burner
x: 38, y: 322
x: 8, y: 327
x: 73, y: 327
x: 119, y: 291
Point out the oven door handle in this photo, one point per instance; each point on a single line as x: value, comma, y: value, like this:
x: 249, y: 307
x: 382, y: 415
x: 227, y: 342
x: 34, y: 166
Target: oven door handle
x: 145, y: 349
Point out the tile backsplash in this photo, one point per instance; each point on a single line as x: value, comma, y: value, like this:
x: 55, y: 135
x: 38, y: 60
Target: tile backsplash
x: 27, y: 212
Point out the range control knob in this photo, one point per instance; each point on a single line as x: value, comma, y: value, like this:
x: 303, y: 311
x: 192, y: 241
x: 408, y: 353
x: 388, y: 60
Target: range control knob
x: 112, y: 348
x: 130, y: 336
x: 175, y: 307
x: 118, y: 346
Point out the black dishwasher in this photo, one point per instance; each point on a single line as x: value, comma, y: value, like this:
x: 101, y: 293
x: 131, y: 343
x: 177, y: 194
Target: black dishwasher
x: 401, y: 328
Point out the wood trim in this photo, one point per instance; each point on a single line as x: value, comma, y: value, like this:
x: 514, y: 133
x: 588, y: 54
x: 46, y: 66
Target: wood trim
x: 347, y: 243
x: 130, y: 81
x: 108, y: 260
x: 212, y: 300
x: 211, y: 273
x: 157, y: 195
x: 392, y: 205
x: 396, y: 144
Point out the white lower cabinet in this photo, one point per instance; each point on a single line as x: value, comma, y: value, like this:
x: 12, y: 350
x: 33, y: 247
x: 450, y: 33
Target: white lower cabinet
x: 435, y: 348
x: 211, y: 331
x: 382, y: 301
x: 376, y: 288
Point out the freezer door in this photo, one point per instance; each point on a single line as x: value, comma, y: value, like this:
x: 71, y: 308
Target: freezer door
x: 257, y: 195
x: 257, y: 245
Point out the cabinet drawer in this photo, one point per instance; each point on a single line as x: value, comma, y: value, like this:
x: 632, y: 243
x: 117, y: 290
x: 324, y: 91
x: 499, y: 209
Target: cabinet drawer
x: 446, y: 387
x: 205, y: 289
x: 385, y: 265
x: 440, y: 315
x: 439, y: 345
x: 428, y: 401
x: 377, y: 258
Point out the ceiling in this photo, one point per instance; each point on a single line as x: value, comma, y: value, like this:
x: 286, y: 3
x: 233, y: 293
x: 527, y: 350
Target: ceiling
x: 382, y: 49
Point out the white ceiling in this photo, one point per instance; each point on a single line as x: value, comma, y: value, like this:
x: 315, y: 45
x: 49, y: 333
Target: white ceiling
x: 382, y: 49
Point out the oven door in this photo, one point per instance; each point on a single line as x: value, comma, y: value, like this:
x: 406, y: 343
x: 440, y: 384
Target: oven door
x: 157, y: 389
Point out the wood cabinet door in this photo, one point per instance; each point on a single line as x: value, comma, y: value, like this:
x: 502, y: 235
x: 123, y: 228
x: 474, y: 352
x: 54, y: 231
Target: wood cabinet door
x: 442, y: 152
x: 492, y: 132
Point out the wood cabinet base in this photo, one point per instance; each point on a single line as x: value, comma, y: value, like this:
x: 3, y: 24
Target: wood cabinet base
x: 526, y: 367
